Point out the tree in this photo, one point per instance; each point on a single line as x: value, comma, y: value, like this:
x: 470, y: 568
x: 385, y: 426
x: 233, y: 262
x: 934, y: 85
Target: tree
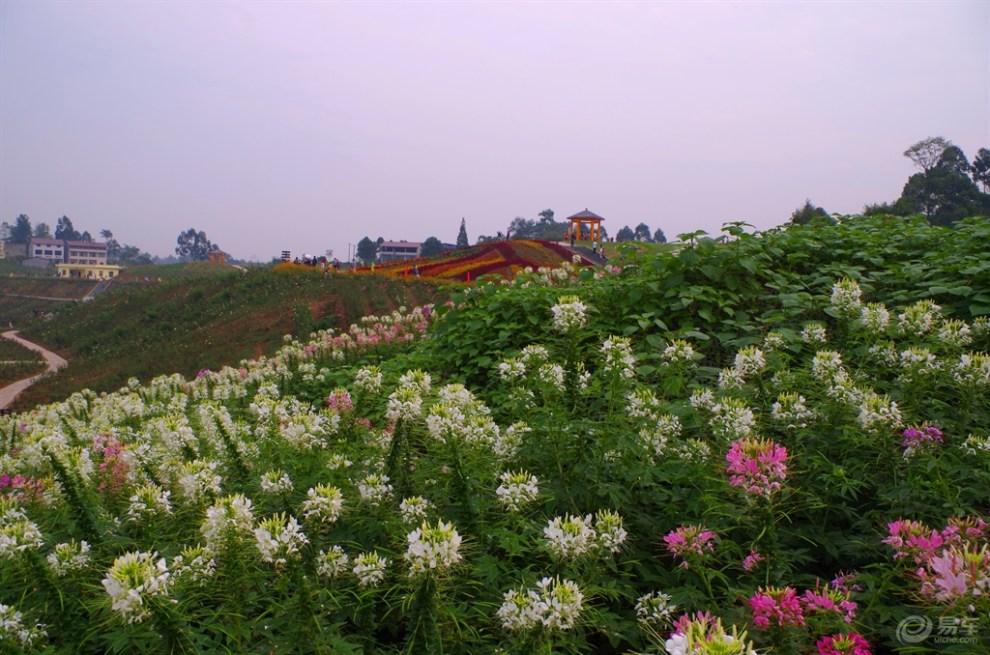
x: 65, y: 230
x: 194, y: 245
x: 659, y: 236
x: 642, y: 233
x: 807, y: 213
x: 944, y: 196
x: 21, y: 231
x: 431, y: 247
x: 462, y: 237
x: 926, y: 153
x: 625, y: 234
x: 367, y: 250
x: 42, y: 231
x: 954, y: 159
x: 522, y: 228
x: 86, y: 236
x: 881, y: 209
x: 981, y: 169
x: 546, y: 216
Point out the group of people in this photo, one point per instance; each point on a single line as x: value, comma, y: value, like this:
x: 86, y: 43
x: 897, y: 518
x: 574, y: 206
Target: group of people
x: 594, y: 244
x: 321, y: 262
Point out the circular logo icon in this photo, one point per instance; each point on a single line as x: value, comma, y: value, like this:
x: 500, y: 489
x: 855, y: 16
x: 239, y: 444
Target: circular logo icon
x: 914, y: 629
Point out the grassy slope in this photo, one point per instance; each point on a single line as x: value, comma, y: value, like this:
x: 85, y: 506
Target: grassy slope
x: 207, y: 321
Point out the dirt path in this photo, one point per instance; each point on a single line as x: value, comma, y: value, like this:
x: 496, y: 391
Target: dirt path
x: 8, y: 393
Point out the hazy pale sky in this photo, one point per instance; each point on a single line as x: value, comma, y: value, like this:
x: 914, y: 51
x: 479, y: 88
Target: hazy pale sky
x: 306, y: 126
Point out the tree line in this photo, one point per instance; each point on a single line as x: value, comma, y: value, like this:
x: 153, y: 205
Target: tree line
x: 546, y: 228
x: 947, y: 187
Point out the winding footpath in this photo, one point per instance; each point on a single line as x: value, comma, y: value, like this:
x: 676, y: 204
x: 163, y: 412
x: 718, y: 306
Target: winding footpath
x: 9, y: 392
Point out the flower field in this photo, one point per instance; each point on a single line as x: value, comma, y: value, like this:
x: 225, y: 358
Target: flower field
x: 756, y: 444
x: 505, y: 258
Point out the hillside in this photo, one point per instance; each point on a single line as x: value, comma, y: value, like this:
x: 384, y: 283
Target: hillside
x: 773, y: 443
x: 182, y: 325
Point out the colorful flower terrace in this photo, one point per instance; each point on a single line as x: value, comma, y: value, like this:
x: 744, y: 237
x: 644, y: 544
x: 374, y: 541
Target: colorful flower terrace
x: 505, y: 258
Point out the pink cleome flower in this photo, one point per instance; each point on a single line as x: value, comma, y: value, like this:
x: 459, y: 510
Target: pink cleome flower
x: 826, y: 599
x: 913, y: 539
x: 773, y: 606
x: 340, y: 400
x: 759, y: 466
x: 843, y: 644
x: 690, y: 540
x: 914, y: 437
x: 751, y: 560
x: 113, y: 468
x: 704, y: 618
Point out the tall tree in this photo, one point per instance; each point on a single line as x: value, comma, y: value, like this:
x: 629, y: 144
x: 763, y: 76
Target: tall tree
x: 642, y: 233
x: 462, y: 237
x: 807, y: 213
x: 546, y: 216
x: 981, y: 169
x: 625, y: 234
x: 431, y: 247
x: 367, y: 250
x: 194, y: 245
x: 659, y: 236
x: 21, y: 231
x: 926, y: 153
x: 522, y: 228
x: 944, y: 196
x: 113, y: 246
x: 65, y: 230
x: 42, y: 231
x: 954, y: 159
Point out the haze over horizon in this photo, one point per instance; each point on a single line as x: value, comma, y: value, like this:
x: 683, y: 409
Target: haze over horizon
x: 307, y: 126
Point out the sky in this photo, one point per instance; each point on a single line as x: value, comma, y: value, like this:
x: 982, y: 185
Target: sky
x: 306, y: 126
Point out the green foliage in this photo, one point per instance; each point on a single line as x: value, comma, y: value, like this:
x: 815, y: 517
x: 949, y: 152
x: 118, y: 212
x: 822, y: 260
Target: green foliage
x: 732, y: 293
x: 462, y: 237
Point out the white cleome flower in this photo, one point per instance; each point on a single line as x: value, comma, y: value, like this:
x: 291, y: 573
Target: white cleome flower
x: 13, y: 630
x: 432, y: 548
x: 654, y: 608
x: 517, y: 489
x: 323, y: 504
x: 133, y: 579
x: 414, y: 509
x: 369, y: 569
x: 332, y: 563
x: 375, y: 488
x: 279, y: 539
x: 227, y: 519
x: 569, y: 314
x: 68, y: 557
x: 570, y: 537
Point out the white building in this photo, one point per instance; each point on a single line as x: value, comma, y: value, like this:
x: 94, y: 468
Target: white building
x: 390, y: 251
